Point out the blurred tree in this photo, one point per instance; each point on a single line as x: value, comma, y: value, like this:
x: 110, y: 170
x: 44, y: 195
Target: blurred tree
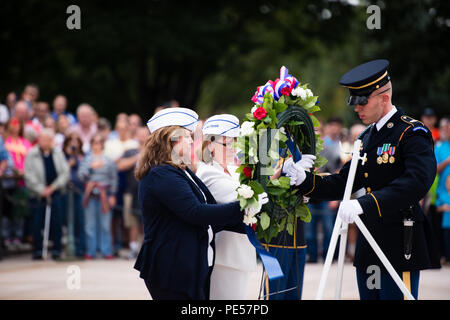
x: 310, y: 38
x: 126, y: 57
x: 415, y: 38
x: 132, y: 57
x: 320, y: 41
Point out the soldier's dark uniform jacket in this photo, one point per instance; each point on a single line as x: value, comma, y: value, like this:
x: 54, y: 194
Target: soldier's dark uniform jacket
x: 399, y: 170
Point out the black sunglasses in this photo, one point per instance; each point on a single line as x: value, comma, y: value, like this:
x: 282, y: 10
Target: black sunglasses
x: 362, y: 100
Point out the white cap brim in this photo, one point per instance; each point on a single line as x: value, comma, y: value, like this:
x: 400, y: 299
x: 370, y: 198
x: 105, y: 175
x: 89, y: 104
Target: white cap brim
x: 182, y: 117
x: 225, y: 125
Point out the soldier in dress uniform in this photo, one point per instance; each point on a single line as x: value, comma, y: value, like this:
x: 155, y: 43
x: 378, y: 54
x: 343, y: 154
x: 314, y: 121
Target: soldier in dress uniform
x: 399, y: 170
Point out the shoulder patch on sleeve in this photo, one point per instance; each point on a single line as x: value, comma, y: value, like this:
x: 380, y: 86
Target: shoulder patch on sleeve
x: 420, y: 128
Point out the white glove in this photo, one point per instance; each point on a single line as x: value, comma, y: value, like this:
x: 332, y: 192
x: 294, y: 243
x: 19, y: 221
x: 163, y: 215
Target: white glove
x: 253, y: 210
x: 287, y: 165
x: 294, y: 171
x: 307, y: 161
x: 288, y: 169
x: 348, y: 210
x: 301, y: 166
x: 299, y: 175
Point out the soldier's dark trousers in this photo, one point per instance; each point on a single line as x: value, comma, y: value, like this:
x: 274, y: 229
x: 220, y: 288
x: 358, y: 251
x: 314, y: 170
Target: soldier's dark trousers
x: 385, y: 287
x: 289, y: 287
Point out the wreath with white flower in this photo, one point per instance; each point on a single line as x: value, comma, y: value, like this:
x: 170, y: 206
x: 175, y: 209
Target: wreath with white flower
x: 282, y: 116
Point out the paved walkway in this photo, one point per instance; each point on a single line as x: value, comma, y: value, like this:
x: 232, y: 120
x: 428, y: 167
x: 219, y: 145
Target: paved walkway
x: 21, y: 278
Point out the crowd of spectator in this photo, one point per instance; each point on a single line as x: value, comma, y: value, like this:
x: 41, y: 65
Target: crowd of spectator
x: 77, y: 166
x: 83, y: 170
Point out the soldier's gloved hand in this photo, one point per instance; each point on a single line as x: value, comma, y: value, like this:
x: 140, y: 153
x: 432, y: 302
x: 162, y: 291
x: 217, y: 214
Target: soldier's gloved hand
x: 288, y: 170
x: 306, y: 162
x: 299, y: 175
x: 348, y: 210
x: 296, y: 171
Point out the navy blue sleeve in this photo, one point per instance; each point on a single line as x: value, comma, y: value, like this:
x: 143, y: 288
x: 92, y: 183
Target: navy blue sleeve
x: 174, y: 192
x: 329, y: 187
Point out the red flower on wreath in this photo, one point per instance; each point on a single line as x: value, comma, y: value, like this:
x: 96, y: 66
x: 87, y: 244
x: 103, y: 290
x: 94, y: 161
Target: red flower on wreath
x: 247, y: 172
x: 260, y: 113
x: 254, y: 226
x: 286, y: 91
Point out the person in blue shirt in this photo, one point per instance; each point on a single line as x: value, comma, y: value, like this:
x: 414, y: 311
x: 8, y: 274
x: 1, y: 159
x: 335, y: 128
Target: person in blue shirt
x: 59, y: 108
x: 4, y: 156
x: 442, y: 153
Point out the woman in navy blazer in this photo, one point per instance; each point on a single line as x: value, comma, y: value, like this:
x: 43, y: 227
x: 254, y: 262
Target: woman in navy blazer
x: 176, y: 258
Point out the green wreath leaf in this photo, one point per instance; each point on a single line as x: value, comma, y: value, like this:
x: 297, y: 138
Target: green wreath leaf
x: 264, y: 220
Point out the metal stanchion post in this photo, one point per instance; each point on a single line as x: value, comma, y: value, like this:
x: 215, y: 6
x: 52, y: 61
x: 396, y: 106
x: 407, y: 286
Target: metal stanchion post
x: 70, y: 250
x: 48, y: 212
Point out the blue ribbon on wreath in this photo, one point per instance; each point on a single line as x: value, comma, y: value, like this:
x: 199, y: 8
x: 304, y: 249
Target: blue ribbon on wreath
x: 293, y: 148
x: 270, y: 263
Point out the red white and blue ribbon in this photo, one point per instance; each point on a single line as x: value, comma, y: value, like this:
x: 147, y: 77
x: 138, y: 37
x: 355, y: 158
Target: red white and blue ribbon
x: 258, y: 97
x: 281, y: 86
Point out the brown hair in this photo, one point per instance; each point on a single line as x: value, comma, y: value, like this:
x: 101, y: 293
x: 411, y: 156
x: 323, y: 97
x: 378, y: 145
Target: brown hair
x: 98, y: 136
x: 68, y: 138
x: 158, y: 150
x: 21, y: 126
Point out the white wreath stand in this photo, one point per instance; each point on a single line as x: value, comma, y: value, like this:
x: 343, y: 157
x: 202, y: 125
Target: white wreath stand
x: 341, y: 228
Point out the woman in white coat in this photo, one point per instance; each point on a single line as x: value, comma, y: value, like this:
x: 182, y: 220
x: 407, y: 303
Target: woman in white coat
x: 235, y: 255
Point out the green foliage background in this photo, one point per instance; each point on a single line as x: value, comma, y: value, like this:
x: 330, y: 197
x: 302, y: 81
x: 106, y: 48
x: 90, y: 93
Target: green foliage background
x: 210, y: 56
